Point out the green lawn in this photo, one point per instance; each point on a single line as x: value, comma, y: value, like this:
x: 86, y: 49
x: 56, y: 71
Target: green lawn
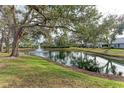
x: 30, y: 71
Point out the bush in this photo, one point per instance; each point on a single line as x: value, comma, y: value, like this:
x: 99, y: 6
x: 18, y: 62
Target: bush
x: 90, y: 65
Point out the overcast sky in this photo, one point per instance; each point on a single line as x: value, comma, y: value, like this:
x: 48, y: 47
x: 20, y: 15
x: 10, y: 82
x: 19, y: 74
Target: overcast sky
x: 105, y: 6
x: 111, y: 8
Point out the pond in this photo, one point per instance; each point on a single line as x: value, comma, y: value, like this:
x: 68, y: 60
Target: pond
x: 83, y: 60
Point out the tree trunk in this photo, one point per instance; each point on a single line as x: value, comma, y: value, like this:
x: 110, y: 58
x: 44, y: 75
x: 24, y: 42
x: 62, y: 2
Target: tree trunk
x: 109, y: 45
x: 94, y: 44
x: 15, y: 43
x: 15, y: 48
x: 7, y: 45
x: 1, y: 42
x: 7, y: 41
x: 85, y: 44
x: 1, y: 45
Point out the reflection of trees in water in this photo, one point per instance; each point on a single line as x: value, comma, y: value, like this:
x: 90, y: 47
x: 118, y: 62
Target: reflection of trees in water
x: 109, y: 68
x: 94, y: 66
x: 87, y: 64
x: 59, y: 56
x: 82, y: 61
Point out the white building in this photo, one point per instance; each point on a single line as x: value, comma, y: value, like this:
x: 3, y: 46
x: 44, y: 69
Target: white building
x: 118, y: 43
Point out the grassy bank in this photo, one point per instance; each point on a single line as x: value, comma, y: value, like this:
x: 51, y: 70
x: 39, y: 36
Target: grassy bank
x: 102, y: 51
x: 30, y: 71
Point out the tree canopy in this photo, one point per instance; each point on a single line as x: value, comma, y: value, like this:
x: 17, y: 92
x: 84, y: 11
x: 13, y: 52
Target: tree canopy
x: 85, y: 23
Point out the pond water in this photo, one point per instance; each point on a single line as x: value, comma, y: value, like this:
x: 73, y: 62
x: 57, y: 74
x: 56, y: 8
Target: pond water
x: 83, y: 60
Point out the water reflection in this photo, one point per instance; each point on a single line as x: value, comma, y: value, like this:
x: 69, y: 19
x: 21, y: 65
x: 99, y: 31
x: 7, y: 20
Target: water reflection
x: 84, y: 61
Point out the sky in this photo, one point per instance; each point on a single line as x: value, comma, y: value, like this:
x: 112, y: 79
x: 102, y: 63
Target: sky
x: 105, y: 6
x: 111, y: 9
x: 114, y: 8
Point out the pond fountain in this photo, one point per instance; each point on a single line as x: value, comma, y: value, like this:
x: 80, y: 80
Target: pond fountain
x: 83, y: 60
x: 39, y: 49
x: 39, y: 52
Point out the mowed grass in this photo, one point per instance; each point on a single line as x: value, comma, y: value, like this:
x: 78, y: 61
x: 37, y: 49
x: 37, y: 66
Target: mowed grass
x: 31, y: 71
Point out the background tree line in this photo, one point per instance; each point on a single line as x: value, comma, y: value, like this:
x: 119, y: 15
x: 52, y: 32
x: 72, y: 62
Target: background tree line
x: 65, y: 25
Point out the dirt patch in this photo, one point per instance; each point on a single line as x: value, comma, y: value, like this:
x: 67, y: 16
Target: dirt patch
x: 36, y: 82
x: 14, y: 83
x: 2, y: 66
x: 7, y: 57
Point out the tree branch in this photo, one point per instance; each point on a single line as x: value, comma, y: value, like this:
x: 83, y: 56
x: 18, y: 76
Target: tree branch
x: 47, y: 26
x: 26, y: 17
x: 37, y: 10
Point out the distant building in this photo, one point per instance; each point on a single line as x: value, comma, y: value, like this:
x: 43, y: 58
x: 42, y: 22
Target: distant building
x: 118, y: 43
